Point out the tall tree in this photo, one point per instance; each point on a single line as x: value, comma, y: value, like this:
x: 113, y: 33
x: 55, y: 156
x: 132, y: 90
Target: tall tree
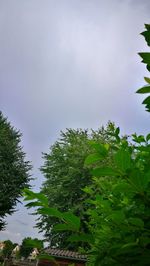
x: 66, y: 175
x: 14, y: 170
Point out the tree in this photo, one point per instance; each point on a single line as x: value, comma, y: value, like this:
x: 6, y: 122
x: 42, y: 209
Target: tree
x: 14, y: 170
x: 8, y: 248
x: 28, y: 244
x: 118, y: 217
x: 118, y: 199
x: 66, y: 175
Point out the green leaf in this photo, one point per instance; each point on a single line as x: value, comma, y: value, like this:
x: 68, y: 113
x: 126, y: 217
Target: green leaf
x: 145, y: 89
x: 51, y: 212
x: 148, y: 67
x: 129, y: 245
x: 123, y: 187
x: 42, y: 198
x: 81, y: 238
x: 146, y: 35
x: 102, y: 150
x: 123, y: 159
x: 104, y: 171
x: 145, y: 57
x: 147, y: 107
x: 107, y: 146
x: 148, y: 137
x: 88, y: 190
x: 146, y: 179
x: 147, y: 79
x: 147, y: 26
x: 139, y: 180
x: 141, y: 139
x: 147, y: 102
x: 33, y: 243
x: 93, y: 158
x: 63, y: 227
x: 117, y: 131
x: 72, y: 219
x: 117, y: 216
x: 30, y: 195
x: 33, y: 204
x: 136, y: 221
x: 138, y: 139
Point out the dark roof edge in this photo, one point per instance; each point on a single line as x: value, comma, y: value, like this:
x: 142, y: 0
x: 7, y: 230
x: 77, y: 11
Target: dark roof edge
x: 68, y: 258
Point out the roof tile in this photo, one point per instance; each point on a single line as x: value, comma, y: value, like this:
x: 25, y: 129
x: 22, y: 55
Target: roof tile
x: 65, y: 253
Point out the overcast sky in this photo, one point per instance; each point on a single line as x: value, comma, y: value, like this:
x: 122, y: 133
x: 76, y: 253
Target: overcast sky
x: 69, y: 63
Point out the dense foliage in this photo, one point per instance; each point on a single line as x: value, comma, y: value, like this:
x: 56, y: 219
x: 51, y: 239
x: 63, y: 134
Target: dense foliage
x: 14, y: 170
x: 15, y: 251
x: 118, y: 199
x: 119, y: 222
x: 66, y: 175
x: 7, y: 250
x: 27, y: 246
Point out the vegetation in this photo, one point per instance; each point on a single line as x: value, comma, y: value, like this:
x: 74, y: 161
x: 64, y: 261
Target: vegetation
x: 66, y: 175
x: 8, y: 248
x: 27, y: 246
x: 117, y: 205
x: 22, y: 251
x: 6, y: 252
x: 146, y: 60
x: 14, y: 170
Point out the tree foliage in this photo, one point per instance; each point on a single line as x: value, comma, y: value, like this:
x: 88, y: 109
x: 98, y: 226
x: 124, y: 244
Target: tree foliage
x: 146, y: 60
x: 14, y: 170
x: 8, y: 248
x: 66, y: 174
x: 117, y: 205
x: 119, y: 220
x: 28, y: 244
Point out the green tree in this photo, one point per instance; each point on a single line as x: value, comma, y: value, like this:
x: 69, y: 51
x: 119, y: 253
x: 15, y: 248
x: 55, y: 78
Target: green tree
x: 119, y: 219
x: 118, y: 214
x: 14, y: 170
x: 66, y: 175
x: 8, y: 248
x: 28, y: 244
x: 118, y: 199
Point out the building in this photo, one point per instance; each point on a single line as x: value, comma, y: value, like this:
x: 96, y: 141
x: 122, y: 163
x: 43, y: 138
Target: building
x: 2, y: 245
x: 15, y: 251
x: 33, y: 254
x: 63, y: 258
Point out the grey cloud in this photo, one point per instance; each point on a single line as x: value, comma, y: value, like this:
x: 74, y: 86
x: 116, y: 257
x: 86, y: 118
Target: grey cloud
x: 20, y: 222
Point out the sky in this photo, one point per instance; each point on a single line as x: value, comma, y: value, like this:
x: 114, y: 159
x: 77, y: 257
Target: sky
x: 68, y: 64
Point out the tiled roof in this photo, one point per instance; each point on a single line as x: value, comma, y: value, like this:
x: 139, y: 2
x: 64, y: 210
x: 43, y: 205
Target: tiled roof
x: 59, y: 253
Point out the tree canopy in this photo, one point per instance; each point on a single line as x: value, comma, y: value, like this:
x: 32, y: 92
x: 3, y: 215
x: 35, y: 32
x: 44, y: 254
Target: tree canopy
x: 66, y: 174
x: 7, y: 250
x: 28, y: 244
x: 14, y: 169
x: 117, y: 205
